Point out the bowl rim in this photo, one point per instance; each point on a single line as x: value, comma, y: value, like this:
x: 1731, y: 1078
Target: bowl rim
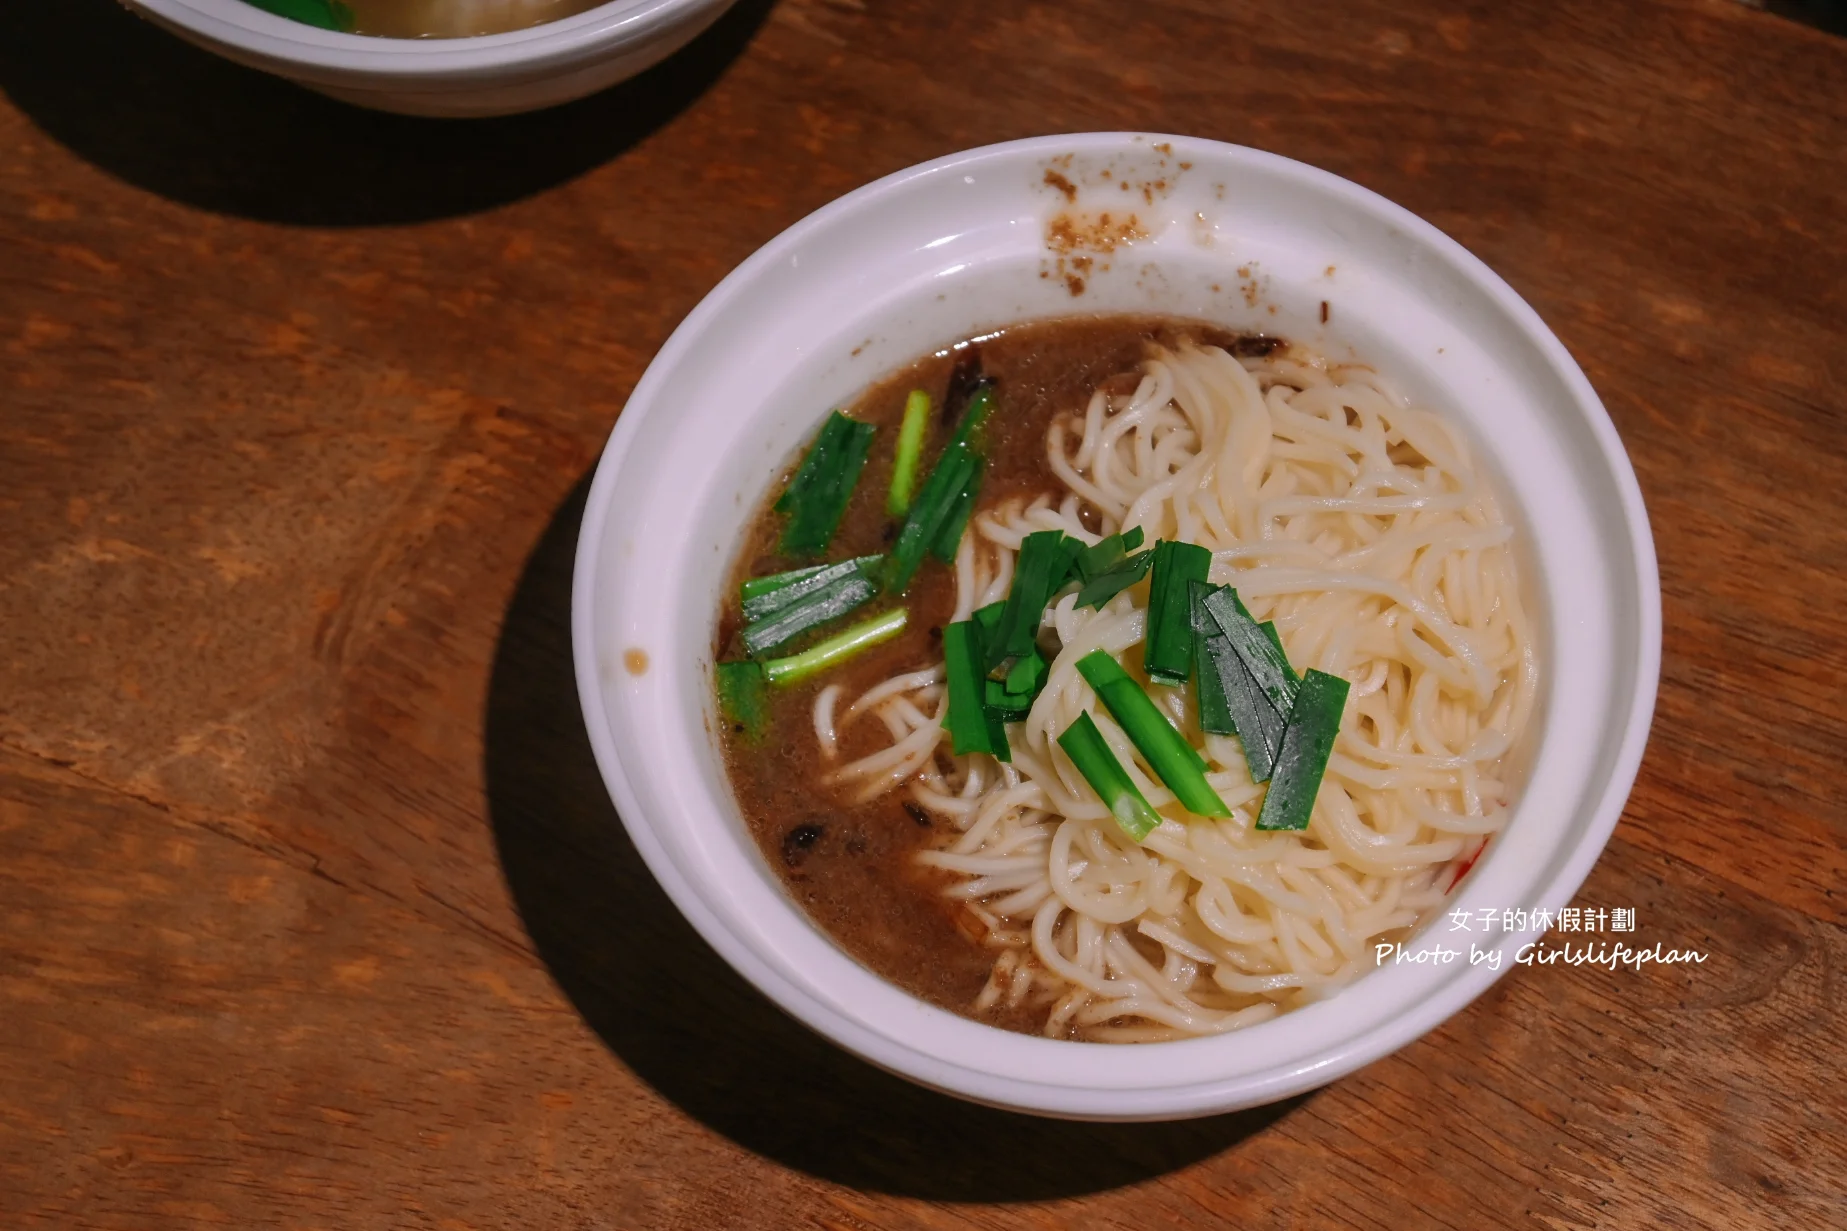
x: 1145, y: 1102
x: 273, y: 38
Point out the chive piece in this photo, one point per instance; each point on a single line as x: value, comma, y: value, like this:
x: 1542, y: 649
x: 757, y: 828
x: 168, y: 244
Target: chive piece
x: 1010, y: 707
x: 969, y: 432
x: 767, y: 595
x: 1261, y: 653
x: 742, y: 699
x: 987, y: 617
x: 817, y: 495
x: 1107, y: 554
x: 847, y: 594
x: 327, y: 14
x: 956, y: 520
x: 1105, y: 586
x: 1177, y: 763
x: 1090, y: 752
x: 1028, y: 675
x: 1167, y: 648
x: 971, y: 727
x: 836, y: 649
x: 1209, y: 689
x: 1313, y: 723
x: 1044, y: 563
x: 1247, y: 712
x: 924, y: 523
x: 910, y: 453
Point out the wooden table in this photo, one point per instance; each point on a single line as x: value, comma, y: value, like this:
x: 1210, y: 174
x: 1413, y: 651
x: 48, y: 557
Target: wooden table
x: 313, y: 912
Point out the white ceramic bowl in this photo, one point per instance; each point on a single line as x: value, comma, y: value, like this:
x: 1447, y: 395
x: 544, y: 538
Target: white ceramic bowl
x: 944, y: 250
x: 495, y: 74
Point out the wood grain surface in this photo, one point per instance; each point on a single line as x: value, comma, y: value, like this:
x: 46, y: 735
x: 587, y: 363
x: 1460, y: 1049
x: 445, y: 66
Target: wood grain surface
x: 313, y: 911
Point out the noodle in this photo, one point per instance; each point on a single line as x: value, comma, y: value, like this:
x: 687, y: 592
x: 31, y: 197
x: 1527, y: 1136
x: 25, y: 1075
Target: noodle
x: 1361, y: 526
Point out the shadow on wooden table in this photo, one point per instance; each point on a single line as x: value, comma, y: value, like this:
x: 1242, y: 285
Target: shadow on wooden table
x: 174, y: 120
x: 683, y: 1021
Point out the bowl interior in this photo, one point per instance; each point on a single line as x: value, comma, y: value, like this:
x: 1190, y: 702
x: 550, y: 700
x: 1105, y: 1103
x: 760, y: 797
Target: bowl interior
x: 1007, y: 234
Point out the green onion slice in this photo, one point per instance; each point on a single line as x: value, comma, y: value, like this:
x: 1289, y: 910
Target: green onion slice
x: 910, y: 453
x: 1314, y: 721
x: 1107, y: 554
x: 1104, y: 586
x: 956, y: 520
x: 1261, y: 652
x: 930, y: 512
x: 743, y: 699
x: 1230, y: 700
x: 327, y: 14
x: 1090, y: 752
x: 1174, y: 760
x: 1043, y: 565
x: 836, y: 649
x: 1167, y: 649
x: 846, y: 594
x: 972, y: 727
x: 817, y: 496
x: 763, y: 596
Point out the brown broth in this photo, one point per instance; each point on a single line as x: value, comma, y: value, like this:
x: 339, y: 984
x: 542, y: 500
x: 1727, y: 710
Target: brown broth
x: 853, y: 867
x: 457, y: 18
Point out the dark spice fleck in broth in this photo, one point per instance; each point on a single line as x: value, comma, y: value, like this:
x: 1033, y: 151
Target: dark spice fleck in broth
x: 852, y: 866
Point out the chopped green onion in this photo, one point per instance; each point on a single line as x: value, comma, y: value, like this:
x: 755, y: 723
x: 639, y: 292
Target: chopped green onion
x: 742, y: 698
x: 972, y: 728
x: 932, y: 509
x: 1090, y: 752
x: 817, y: 495
x: 848, y: 593
x: 1105, y: 586
x: 1044, y: 563
x: 1230, y: 700
x: 327, y: 14
x: 989, y: 616
x: 1107, y: 553
x: 910, y: 453
x: 1011, y: 707
x: 767, y: 595
x: 969, y: 433
x: 1177, y: 763
x: 1261, y: 652
x: 836, y: 649
x: 956, y: 521
x: 1314, y: 721
x: 1028, y: 674
x: 1167, y: 648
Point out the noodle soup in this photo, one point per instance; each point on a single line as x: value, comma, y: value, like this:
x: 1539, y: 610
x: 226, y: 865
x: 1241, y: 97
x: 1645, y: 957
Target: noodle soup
x: 1095, y: 873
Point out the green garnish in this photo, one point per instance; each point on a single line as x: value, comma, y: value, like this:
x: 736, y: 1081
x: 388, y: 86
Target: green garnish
x: 1230, y: 700
x: 836, y: 649
x: 1174, y: 760
x: 1260, y: 649
x: 327, y: 14
x: 1314, y: 721
x: 936, y: 503
x: 764, y: 596
x: 950, y: 537
x: 1167, y: 648
x: 1028, y: 674
x: 1104, y: 586
x: 1043, y: 565
x: 910, y: 453
x: 969, y: 429
x: 742, y: 698
x: 848, y: 592
x: 972, y: 726
x: 817, y: 495
x: 1090, y: 752
x: 1107, y: 553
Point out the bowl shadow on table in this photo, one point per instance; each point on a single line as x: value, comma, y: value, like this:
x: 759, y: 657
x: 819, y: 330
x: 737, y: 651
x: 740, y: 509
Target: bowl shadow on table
x: 681, y: 1019
x: 175, y: 120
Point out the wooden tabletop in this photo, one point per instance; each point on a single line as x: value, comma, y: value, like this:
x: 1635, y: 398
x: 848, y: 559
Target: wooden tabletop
x: 313, y: 910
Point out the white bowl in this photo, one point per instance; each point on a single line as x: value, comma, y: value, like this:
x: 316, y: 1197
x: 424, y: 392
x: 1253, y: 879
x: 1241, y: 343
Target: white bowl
x: 495, y: 74
x: 943, y: 250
